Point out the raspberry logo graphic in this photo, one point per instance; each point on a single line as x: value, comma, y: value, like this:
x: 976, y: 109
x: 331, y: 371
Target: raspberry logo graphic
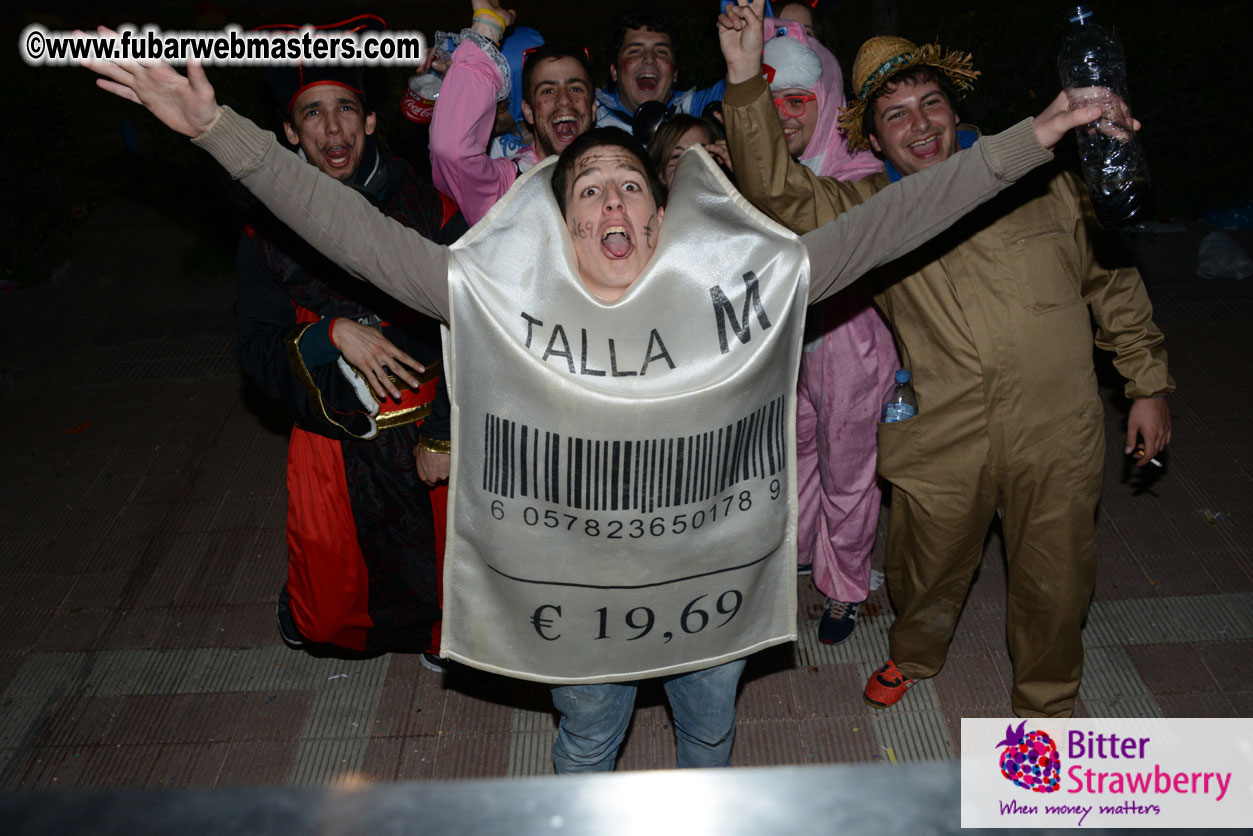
x: 1030, y: 759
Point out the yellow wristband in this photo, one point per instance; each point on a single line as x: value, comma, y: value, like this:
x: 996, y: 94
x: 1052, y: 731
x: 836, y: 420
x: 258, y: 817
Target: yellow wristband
x: 488, y: 13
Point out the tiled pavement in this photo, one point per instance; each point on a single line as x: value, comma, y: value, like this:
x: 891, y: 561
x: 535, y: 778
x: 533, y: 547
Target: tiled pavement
x: 142, y: 549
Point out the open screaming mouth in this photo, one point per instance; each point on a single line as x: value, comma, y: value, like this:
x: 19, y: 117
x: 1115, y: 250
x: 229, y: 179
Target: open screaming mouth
x: 565, y: 128
x: 616, y: 241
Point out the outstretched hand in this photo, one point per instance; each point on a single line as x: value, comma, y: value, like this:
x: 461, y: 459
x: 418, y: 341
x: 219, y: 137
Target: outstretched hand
x: 185, y: 103
x: 741, y: 34
x: 372, y: 354
x: 1058, y: 118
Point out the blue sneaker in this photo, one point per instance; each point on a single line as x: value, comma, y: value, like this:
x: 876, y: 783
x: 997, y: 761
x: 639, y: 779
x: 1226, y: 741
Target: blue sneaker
x: 839, y: 620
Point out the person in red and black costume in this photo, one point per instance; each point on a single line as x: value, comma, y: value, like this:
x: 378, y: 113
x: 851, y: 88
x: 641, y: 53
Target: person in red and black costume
x: 359, y: 373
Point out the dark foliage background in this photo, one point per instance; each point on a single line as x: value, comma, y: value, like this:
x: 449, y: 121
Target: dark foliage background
x: 68, y: 153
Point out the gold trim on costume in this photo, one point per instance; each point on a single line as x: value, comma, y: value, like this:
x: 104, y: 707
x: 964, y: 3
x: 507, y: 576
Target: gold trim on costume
x: 400, y: 417
x: 434, y: 445
x: 292, y: 341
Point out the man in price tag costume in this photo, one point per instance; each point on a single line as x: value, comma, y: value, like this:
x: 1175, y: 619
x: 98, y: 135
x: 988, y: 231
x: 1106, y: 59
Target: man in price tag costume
x: 992, y: 319
x: 624, y: 455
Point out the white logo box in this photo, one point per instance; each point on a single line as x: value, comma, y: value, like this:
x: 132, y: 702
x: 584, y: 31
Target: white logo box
x: 1109, y: 773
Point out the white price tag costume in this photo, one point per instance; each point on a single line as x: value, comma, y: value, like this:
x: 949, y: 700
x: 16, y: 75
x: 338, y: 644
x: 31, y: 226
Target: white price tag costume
x: 646, y: 378
x: 624, y: 474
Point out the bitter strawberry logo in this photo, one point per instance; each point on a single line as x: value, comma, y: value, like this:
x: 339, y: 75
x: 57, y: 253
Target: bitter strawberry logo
x: 1030, y: 759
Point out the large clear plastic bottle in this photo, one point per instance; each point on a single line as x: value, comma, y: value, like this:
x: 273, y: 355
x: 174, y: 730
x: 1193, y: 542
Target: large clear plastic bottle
x: 902, y: 403
x: 1094, y: 71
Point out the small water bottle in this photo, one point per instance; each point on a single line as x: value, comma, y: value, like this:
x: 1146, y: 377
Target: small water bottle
x: 1094, y: 71
x: 902, y: 403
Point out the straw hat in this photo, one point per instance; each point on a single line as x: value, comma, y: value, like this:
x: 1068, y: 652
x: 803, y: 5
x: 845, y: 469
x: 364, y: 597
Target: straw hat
x: 884, y: 56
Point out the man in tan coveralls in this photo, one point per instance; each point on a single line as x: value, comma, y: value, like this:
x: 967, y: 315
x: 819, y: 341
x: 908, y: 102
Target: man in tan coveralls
x: 992, y: 319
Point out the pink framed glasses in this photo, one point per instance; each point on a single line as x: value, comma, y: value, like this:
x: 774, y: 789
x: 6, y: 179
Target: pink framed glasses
x: 794, y: 106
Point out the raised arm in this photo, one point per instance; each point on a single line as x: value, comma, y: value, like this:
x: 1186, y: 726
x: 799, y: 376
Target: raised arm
x: 919, y: 207
x: 185, y: 104
x: 340, y: 222
x: 916, y: 208
x: 766, y: 174
x: 337, y: 220
x: 741, y: 37
x: 764, y: 171
x: 894, y: 221
x: 465, y: 112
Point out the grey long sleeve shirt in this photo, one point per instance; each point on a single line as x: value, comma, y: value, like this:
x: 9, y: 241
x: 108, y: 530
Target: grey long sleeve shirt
x: 353, y: 233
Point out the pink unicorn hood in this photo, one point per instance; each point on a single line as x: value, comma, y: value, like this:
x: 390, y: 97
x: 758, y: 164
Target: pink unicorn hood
x: 827, y: 153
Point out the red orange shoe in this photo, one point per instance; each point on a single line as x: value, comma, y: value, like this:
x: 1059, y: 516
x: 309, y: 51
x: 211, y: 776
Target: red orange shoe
x: 887, y: 685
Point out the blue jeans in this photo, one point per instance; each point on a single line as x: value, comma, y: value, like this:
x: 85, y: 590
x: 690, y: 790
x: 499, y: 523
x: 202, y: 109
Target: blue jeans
x: 594, y: 719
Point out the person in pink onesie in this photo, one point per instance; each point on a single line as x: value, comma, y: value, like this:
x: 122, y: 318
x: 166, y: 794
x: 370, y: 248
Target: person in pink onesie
x: 849, y: 357
x: 557, y: 101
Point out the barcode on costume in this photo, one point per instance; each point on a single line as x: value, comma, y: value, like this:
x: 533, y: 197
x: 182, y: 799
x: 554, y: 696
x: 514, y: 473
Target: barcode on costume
x: 520, y: 460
